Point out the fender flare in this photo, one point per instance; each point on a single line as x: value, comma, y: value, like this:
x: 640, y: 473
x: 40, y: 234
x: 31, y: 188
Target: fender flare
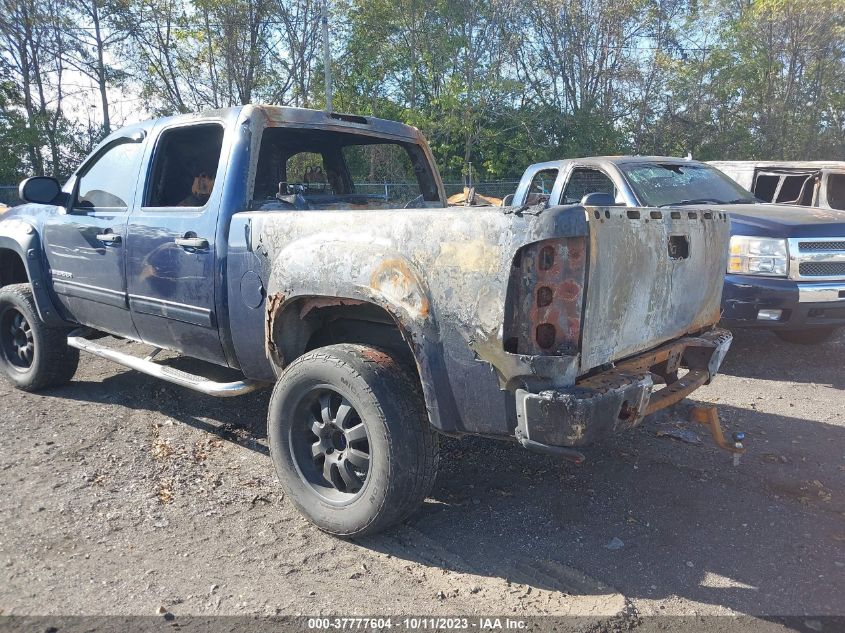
x: 22, y: 238
x: 375, y: 274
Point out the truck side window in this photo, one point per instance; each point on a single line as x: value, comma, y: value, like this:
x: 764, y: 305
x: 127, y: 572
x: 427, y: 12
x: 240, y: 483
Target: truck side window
x: 383, y: 170
x: 541, y: 186
x: 836, y: 191
x: 765, y: 186
x: 185, y: 166
x: 329, y: 169
x: 109, y: 181
x: 790, y: 188
x: 582, y: 181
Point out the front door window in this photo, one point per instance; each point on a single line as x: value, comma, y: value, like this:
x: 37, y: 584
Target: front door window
x: 108, y: 184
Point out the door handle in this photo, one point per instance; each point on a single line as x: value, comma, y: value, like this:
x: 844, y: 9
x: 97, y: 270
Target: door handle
x: 199, y: 243
x: 109, y: 238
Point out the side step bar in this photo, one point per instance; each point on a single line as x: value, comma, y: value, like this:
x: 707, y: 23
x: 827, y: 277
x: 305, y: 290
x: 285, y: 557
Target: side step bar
x: 176, y: 376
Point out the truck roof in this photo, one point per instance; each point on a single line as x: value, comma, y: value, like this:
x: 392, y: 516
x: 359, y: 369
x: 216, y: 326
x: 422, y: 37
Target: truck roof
x: 780, y: 164
x: 612, y: 160
x: 306, y: 117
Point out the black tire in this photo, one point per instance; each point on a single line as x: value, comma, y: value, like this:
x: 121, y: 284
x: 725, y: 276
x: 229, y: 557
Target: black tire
x: 33, y: 355
x: 813, y: 336
x: 329, y: 408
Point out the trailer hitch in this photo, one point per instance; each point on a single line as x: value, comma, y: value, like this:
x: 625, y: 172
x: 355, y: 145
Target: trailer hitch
x: 709, y: 416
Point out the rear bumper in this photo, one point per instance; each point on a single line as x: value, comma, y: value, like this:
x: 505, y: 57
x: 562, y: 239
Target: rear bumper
x: 619, y: 398
x: 802, y: 304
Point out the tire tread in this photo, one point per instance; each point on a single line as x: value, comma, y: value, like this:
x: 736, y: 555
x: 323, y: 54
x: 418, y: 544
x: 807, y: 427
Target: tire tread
x: 409, y: 486
x: 58, y: 361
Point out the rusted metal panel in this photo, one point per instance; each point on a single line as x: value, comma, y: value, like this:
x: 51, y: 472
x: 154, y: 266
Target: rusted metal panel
x: 620, y: 397
x: 549, y: 297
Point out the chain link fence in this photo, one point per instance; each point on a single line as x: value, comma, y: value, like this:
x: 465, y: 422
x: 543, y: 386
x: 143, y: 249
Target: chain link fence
x: 403, y: 191
x: 494, y: 188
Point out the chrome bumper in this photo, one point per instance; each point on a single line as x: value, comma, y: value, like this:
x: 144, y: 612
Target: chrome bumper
x: 821, y: 293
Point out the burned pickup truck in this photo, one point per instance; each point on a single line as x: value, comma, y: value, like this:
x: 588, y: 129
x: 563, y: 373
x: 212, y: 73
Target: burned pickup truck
x: 810, y: 183
x: 263, y: 239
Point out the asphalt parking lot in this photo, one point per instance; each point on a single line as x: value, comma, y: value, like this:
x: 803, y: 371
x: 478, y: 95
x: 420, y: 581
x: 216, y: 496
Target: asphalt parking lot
x: 123, y: 495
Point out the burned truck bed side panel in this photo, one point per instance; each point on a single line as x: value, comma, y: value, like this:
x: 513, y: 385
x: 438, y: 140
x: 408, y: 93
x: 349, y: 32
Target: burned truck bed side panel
x: 441, y: 274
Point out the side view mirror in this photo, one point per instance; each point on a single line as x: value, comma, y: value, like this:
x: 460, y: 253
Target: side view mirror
x: 598, y: 199
x: 39, y: 189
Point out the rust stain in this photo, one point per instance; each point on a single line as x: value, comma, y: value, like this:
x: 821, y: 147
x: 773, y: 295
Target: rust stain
x: 325, y: 302
x: 374, y: 355
x: 274, y: 308
x: 393, y: 279
x: 473, y: 256
x: 577, y: 253
x: 550, y: 292
x: 570, y: 290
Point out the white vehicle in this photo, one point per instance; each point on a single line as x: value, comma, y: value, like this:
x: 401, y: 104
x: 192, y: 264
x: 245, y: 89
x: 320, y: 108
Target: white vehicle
x: 808, y: 183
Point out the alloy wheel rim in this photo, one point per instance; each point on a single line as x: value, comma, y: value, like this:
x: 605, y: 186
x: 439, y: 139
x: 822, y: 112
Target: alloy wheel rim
x: 16, y: 339
x: 330, y: 445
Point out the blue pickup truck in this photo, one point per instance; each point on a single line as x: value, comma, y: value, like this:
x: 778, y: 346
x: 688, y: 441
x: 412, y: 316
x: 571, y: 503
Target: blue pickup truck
x: 786, y: 271
x: 264, y: 239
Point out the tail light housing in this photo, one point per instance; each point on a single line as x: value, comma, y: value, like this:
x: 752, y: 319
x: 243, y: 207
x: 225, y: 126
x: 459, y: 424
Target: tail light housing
x: 546, y: 298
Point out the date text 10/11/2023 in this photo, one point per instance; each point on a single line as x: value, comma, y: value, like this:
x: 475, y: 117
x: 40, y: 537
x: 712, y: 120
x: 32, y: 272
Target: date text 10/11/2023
x: 417, y: 623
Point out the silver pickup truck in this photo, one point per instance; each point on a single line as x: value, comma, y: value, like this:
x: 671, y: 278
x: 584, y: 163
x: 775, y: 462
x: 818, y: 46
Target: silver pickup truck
x: 264, y: 239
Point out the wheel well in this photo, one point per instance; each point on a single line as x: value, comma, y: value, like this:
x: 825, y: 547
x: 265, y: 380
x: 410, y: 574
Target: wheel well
x: 312, y: 322
x: 12, y: 270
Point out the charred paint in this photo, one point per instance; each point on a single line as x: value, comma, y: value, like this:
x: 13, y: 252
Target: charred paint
x: 395, y: 280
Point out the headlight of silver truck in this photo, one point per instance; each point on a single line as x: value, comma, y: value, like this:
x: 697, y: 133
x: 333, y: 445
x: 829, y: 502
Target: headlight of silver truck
x: 758, y: 256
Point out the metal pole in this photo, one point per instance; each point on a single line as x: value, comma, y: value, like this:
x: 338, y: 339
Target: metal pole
x: 327, y: 58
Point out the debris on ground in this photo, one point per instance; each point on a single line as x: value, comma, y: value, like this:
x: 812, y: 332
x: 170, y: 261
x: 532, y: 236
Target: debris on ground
x: 677, y: 432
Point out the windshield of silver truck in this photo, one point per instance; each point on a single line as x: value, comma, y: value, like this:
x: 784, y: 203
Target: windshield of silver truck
x: 671, y: 184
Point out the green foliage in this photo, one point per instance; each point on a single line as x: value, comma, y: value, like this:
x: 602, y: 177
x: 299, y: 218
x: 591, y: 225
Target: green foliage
x: 494, y: 84
x: 14, y: 136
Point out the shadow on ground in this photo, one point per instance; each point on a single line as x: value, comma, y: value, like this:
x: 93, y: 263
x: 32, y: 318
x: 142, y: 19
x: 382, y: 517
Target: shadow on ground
x: 760, y: 354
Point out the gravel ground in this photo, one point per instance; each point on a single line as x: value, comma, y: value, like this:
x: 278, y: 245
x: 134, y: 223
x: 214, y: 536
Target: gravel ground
x: 121, y: 495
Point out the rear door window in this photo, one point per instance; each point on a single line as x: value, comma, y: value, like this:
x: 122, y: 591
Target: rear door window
x: 541, y: 186
x: 790, y: 188
x: 185, y: 166
x: 584, y: 181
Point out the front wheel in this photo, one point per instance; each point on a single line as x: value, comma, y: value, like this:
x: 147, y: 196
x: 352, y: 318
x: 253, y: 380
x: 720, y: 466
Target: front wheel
x: 814, y: 336
x: 33, y: 355
x: 350, y: 439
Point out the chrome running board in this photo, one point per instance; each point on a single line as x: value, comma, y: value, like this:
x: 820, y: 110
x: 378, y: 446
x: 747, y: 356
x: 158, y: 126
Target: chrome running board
x: 176, y: 376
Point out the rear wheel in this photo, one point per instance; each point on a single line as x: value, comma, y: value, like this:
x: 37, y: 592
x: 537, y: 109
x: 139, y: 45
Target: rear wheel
x: 813, y: 336
x: 351, y: 440
x: 33, y: 355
